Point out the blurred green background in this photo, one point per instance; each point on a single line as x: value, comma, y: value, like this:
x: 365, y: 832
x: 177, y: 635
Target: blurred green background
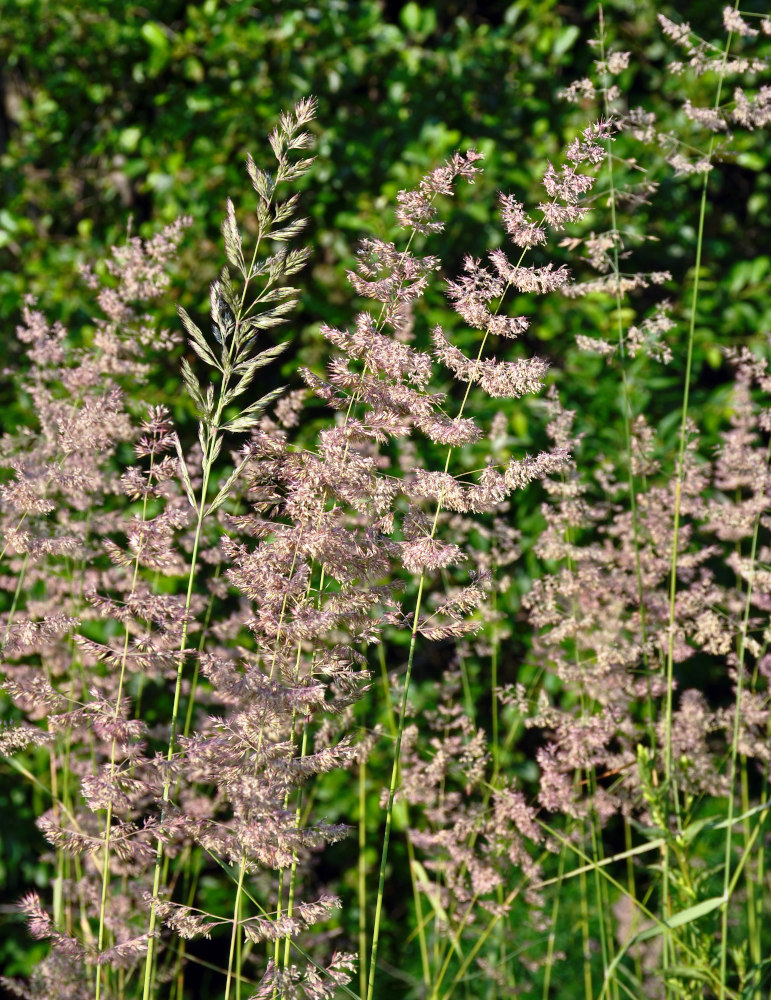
x: 117, y: 116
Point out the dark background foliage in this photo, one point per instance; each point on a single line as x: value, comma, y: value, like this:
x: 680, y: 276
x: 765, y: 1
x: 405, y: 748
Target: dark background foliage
x: 116, y: 115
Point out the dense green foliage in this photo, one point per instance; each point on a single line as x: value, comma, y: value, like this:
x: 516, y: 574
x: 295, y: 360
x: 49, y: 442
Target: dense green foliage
x: 114, y: 115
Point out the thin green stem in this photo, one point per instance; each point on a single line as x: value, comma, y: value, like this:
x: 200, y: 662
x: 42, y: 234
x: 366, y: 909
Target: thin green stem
x: 671, y: 789
x: 626, y: 408
x: 391, y: 796
x: 113, y: 749
x: 362, y: 877
x: 159, y: 853
x: 235, y: 935
x: 732, y: 768
x: 553, y: 927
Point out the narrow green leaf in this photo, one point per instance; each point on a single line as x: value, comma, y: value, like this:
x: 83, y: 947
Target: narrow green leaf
x: 691, y: 831
x: 723, y: 824
x: 632, y: 852
x: 685, y: 916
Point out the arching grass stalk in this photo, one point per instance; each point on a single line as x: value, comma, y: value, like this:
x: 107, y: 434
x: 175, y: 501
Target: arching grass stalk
x: 626, y: 407
x: 569, y: 191
x: 403, y: 715
x: 672, y: 796
x: 235, y: 331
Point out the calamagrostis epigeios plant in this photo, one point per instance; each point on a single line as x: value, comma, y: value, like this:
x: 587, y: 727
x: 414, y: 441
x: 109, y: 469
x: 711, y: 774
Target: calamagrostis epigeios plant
x: 192, y: 656
x: 134, y: 826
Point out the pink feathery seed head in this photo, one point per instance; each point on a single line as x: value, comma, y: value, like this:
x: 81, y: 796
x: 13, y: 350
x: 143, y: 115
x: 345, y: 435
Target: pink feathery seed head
x: 559, y: 216
x: 679, y: 33
x: 521, y: 229
x: 470, y: 295
x: 566, y: 185
x: 586, y: 148
x: 533, y: 280
x: 752, y: 113
x: 734, y: 22
x: 498, y: 378
x: 417, y: 209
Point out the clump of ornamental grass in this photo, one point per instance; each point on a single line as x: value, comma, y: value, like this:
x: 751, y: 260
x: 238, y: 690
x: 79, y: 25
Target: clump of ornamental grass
x: 188, y: 639
x: 139, y: 810
x: 143, y: 809
x: 652, y: 628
